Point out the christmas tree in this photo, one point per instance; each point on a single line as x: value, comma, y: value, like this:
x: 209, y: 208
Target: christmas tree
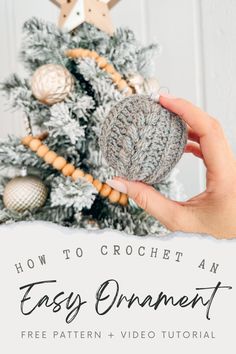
x: 72, y: 116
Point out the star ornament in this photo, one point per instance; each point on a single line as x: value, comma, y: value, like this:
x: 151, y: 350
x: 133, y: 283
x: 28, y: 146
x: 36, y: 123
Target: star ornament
x: 95, y: 12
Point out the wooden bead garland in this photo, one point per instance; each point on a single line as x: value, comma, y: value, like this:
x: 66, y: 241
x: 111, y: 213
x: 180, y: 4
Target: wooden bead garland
x: 59, y: 163
x: 35, y: 144
x: 77, y: 174
x: 105, y: 190
x: 42, y: 151
x: 102, y: 62
x: 50, y: 157
x: 69, y: 170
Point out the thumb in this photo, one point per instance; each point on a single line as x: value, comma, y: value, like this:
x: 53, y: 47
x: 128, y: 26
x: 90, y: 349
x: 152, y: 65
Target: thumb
x: 168, y: 212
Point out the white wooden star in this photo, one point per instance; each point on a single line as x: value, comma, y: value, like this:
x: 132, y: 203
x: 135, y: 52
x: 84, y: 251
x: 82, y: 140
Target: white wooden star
x: 95, y: 12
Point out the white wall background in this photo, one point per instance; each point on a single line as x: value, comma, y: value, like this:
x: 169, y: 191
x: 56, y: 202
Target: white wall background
x: 198, y: 58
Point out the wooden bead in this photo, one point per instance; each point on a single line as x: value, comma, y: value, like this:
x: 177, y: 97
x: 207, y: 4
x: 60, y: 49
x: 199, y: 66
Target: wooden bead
x: 35, y: 144
x: 93, y: 54
x: 123, y: 199
x: 116, y: 78
x: 50, y: 157
x: 122, y: 84
x: 89, y: 178
x: 105, y: 191
x: 84, y: 53
x: 110, y: 69
x: 74, y: 53
x: 26, y: 140
x: 77, y: 174
x: 102, y: 62
x: 68, y: 170
x: 59, y: 163
x: 42, y: 151
x: 97, y: 184
x: 114, y: 196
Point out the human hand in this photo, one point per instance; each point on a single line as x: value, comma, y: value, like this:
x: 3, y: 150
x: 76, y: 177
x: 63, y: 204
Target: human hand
x: 211, y: 212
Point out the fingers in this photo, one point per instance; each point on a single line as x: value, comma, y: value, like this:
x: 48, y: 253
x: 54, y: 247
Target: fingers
x: 193, y: 136
x: 194, y: 149
x: 197, y: 120
x: 214, y: 146
x: 193, y: 145
x: 168, y: 212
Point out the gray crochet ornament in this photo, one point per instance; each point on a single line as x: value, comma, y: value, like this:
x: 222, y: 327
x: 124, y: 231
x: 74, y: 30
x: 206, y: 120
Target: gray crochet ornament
x: 141, y: 140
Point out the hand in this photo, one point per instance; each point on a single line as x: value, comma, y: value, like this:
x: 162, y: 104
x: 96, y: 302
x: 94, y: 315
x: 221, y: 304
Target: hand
x: 211, y: 212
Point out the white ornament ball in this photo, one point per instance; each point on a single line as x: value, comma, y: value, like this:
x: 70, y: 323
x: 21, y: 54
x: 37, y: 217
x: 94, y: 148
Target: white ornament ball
x: 24, y: 193
x: 52, y: 83
x: 144, y: 86
x: 136, y: 81
x: 151, y: 87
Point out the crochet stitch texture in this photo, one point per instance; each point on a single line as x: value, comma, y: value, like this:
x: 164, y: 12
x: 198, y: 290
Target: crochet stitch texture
x: 141, y: 140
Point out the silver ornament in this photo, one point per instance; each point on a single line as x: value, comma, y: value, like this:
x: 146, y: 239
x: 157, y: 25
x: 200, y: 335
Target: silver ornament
x: 24, y: 193
x: 52, y: 83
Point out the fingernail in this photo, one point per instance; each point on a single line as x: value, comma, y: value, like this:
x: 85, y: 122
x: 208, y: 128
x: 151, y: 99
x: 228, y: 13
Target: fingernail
x: 167, y: 95
x: 119, y: 186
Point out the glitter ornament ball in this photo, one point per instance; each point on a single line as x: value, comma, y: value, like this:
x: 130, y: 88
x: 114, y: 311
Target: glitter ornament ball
x: 52, y: 83
x: 24, y: 193
x: 141, y: 140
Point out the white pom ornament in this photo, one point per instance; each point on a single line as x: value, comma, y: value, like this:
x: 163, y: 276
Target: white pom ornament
x: 24, y: 193
x: 151, y: 87
x: 143, y: 86
x: 136, y: 81
x: 52, y: 83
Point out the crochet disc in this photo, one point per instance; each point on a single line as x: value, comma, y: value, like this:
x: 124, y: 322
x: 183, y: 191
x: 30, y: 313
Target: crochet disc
x: 141, y: 140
